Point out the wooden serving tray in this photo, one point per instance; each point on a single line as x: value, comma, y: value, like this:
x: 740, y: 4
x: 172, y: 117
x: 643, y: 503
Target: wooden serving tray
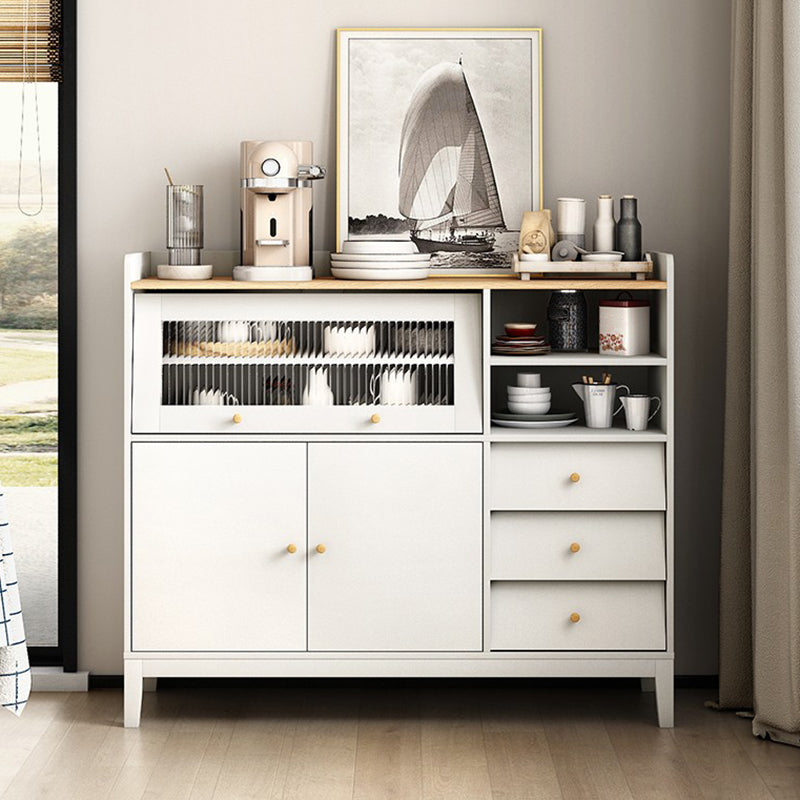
x: 640, y: 270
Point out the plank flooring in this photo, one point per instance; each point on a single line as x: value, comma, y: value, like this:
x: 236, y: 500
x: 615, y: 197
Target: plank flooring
x: 372, y: 741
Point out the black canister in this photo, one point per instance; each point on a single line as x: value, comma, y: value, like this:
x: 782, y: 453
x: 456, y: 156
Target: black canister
x: 566, y: 319
x: 629, y: 230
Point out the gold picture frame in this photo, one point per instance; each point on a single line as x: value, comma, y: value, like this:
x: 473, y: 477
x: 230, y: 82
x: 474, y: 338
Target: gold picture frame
x: 459, y: 196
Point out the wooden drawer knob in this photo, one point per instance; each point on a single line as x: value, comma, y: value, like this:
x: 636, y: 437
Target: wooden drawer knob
x: 237, y: 418
x: 574, y: 617
x: 575, y: 477
x: 292, y: 548
x: 376, y: 418
x: 320, y: 548
x: 574, y: 547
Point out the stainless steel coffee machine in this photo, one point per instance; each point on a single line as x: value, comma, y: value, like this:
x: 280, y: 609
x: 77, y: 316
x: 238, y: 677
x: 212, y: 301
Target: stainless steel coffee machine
x: 277, y: 200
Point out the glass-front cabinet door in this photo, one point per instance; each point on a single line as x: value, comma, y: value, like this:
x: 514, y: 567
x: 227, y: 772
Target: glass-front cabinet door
x: 314, y: 363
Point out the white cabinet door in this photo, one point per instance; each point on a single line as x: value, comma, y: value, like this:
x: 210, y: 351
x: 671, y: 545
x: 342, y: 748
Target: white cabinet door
x: 210, y: 569
x: 400, y: 524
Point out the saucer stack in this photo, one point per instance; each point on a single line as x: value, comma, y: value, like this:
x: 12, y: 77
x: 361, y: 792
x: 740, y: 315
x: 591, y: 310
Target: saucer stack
x: 529, y: 406
x: 380, y: 260
x: 520, y: 340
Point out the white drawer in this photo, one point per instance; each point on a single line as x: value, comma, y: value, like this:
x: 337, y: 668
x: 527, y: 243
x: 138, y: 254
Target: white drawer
x: 614, y: 615
x: 577, y: 545
x: 612, y: 476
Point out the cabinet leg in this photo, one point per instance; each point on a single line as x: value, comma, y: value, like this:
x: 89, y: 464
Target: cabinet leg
x: 665, y: 693
x: 648, y: 684
x: 150, y: 684
x: 133, y: 693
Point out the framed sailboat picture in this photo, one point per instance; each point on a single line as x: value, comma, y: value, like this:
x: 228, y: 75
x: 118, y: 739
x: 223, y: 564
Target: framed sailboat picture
x: 439, y: 140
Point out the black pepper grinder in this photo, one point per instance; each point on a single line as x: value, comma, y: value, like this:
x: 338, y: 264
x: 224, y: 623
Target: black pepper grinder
x: 629, y: 230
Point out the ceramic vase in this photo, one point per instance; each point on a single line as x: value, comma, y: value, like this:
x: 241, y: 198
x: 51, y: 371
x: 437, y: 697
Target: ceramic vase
x: 604, y: 225
x: 629, y: 230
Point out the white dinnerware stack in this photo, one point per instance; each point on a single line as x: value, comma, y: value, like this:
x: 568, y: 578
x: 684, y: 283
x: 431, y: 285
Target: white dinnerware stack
x: 380, y: 260
x: 348, y: 340
x: 529, y: 406
x: 529, y: 396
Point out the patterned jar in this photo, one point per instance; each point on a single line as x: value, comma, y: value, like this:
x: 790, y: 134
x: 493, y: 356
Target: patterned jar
x: 624, y: 326
x: 566, y: 318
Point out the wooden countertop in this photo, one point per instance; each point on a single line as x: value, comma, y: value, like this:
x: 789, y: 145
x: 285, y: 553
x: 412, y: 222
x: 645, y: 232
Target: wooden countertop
x: 445, y: 284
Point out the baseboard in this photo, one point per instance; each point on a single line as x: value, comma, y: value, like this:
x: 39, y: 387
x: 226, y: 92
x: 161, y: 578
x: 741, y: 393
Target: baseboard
x: 54, y: 679
x: 681, y: 682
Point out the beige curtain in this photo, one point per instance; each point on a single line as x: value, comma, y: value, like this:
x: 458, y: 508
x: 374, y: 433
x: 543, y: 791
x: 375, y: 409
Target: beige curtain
x: 760, y: 569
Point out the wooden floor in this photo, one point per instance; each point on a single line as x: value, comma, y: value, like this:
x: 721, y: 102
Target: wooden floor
x: 375, y: 742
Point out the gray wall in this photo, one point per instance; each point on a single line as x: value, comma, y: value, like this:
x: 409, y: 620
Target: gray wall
x: 636, y: 100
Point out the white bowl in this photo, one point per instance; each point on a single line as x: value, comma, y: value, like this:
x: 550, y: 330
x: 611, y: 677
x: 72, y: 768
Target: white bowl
x: 530, y: 398
x: 382, y: 246
x: 528, y: 408
x: 527, y: 391
x: 605, y: 255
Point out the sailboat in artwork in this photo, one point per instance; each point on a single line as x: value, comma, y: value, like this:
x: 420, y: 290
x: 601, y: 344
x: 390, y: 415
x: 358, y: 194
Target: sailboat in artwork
x: 448, y: 191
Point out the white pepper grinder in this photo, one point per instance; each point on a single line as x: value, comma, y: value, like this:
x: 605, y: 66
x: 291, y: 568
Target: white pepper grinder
x: 604, y: 225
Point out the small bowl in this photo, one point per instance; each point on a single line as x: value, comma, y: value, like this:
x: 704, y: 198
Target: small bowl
x: 520, y: 328
x: 379, y: 247
x: 529, y: 379
x: 528, y: 391
x: 607, y: 255
x: 528, y: 408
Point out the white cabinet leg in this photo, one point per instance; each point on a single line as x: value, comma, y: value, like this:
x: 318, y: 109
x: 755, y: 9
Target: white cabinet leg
x: 133, y: 693
x: 648, y: 684
x: 665, y: 693
x: 150, y: 684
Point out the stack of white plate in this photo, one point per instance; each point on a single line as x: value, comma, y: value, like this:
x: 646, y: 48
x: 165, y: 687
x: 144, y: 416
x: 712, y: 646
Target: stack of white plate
x: 380, y: 260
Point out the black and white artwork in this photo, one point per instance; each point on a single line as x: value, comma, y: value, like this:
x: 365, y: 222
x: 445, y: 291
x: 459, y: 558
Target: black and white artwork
x: 440, y: 141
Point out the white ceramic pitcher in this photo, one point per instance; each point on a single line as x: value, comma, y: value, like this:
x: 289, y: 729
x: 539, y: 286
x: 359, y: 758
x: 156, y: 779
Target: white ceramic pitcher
x: 598, y: 402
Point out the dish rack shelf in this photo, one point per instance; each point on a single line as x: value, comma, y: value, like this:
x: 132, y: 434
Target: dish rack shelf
x: 288, y: 363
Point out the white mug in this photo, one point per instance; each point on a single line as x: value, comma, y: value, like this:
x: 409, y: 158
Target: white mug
x: 397, y: 387
x: 637, y: 407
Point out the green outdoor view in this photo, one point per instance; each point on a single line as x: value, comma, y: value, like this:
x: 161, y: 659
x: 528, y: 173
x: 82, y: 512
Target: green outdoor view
x: 29, y: 343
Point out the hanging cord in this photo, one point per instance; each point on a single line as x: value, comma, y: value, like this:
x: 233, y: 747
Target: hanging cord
x: 25, y: 74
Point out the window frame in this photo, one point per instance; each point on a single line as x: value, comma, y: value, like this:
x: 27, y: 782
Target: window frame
x: 65, y: 654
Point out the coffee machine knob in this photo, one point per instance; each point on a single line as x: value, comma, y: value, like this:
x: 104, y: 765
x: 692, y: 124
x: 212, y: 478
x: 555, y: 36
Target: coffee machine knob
x: 270, y: 167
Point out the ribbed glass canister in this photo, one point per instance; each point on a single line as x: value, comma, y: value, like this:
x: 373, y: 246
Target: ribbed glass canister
x: 184, y: 224
x: 566, y: 318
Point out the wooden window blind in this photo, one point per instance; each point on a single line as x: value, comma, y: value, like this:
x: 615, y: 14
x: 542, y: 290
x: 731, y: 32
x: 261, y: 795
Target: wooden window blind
x: 30, y: 40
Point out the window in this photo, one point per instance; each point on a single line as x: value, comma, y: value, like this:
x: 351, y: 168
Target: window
x: 37, y: 314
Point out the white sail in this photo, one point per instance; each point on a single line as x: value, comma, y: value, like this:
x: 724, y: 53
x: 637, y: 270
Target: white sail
x: 445, y: 171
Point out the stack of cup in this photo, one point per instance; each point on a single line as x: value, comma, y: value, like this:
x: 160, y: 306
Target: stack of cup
x: 528, y: 396
x: 571, y: 220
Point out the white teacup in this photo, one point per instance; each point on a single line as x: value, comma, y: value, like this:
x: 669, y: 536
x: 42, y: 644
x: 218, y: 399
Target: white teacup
x: 529, y: 379
x: 637, y: 408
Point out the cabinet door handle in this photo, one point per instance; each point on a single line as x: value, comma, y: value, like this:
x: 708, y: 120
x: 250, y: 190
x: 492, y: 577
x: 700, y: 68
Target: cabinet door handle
x: 237, y: 418
x: 574, y: 547
x: 574, y: 617
x: 320, y: 548
x: 292, y: 548
x: 575, y: 477
x: 375, y: 418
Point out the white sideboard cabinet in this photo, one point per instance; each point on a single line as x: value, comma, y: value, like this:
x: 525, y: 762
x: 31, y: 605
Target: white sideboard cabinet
x: 314, y: 487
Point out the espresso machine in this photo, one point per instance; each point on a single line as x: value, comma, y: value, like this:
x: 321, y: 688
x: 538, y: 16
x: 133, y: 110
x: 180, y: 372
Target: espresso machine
x: 277, y: 200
